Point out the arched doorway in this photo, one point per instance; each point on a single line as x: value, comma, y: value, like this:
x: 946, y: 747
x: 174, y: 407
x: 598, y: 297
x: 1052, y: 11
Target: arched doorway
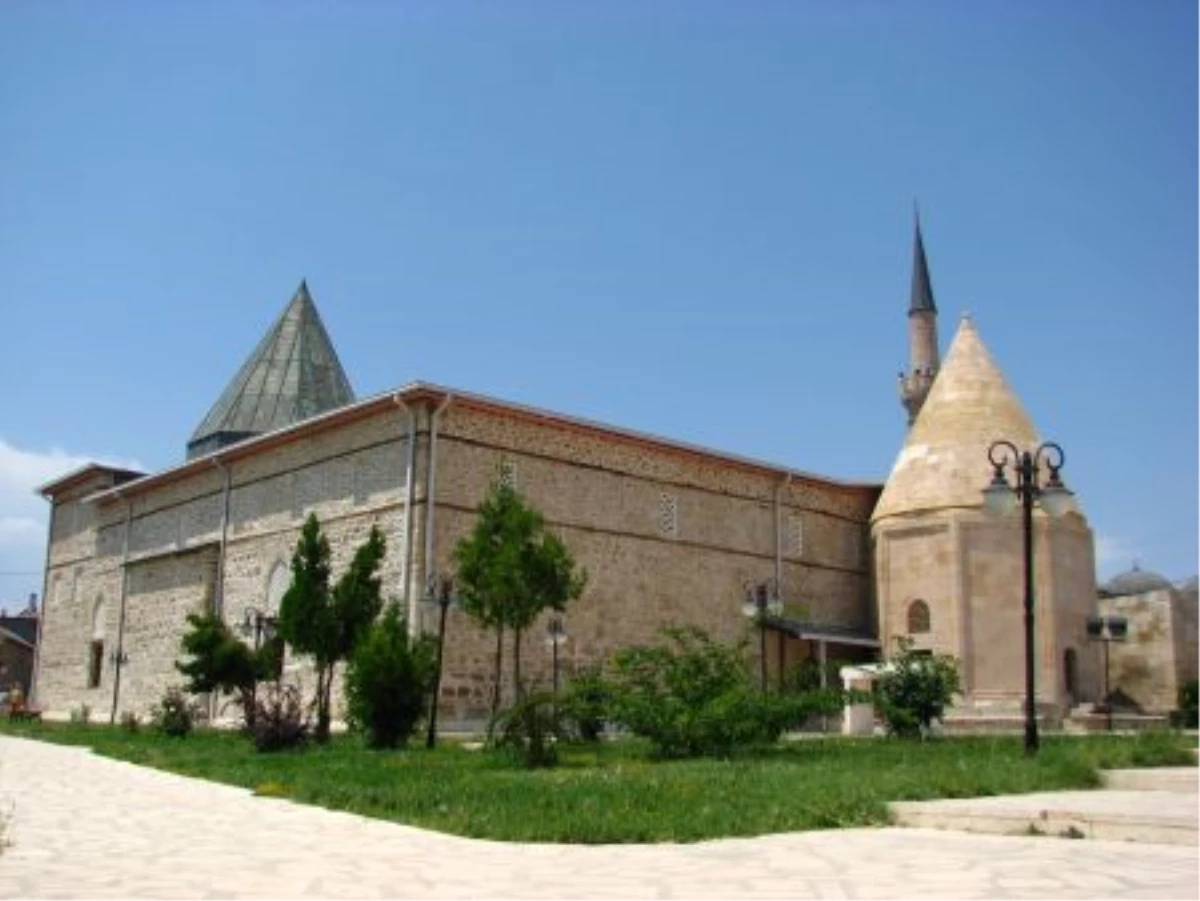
x: 1071, y: 675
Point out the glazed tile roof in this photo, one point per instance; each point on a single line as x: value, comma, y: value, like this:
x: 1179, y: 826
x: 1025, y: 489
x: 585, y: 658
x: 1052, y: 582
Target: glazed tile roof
x: 293, y: 374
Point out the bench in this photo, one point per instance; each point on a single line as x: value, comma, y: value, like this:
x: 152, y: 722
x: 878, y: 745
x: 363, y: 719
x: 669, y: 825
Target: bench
x: 20, y: 711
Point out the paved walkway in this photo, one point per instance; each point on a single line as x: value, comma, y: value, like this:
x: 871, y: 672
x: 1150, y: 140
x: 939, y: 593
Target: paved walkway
x: 86, y: 826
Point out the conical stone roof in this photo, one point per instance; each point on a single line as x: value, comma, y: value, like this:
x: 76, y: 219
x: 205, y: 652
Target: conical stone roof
x: 292, y: 374
x: 944, y: 461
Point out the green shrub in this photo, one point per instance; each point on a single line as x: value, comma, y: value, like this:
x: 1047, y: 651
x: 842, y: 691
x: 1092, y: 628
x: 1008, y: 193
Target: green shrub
x: 529, y: 730
x: 694, y: 697
x: 130, y: 721
x: 174, y: 714
x: 583, y: 707
x: 915, y: 690
x: 1186, y: 716
x: 389, y: 681
x: 279, y: 720
x: 81, y: 715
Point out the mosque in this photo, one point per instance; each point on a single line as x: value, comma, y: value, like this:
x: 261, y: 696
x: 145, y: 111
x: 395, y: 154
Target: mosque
x: 670, y: 533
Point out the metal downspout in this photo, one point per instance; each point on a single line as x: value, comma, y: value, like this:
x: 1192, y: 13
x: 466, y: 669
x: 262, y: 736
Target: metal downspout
x: 218, y: 601
x: 41, y: 625
x: 431, y: 484
x: 219, y: 586
x: 779, y: 533
x: 410, y: 612
x: 119, y: 658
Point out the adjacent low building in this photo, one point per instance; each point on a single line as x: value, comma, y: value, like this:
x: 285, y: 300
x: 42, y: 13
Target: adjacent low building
x: 1158, y: 654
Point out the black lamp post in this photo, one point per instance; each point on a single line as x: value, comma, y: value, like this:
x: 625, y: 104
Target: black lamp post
x: 761, y: 601
x: 557, y: 636
x: 1107, y: 629
x: 260, y: 624
x: 440, y: 591
x: 1001, y: 498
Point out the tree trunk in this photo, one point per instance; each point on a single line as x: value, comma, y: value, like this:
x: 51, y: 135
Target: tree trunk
x: 324, y: 678
x: 517, y: 686
x: 499, y: 670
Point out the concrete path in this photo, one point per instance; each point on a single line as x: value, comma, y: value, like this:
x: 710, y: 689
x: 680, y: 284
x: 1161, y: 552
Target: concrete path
x: 1157, y: 806
x: 86, y: 826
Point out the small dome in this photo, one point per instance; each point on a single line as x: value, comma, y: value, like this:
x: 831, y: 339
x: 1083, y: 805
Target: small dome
x: 1136, y: 581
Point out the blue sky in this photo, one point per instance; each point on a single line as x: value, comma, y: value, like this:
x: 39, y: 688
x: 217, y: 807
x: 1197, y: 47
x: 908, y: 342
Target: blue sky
x: 693, y: 219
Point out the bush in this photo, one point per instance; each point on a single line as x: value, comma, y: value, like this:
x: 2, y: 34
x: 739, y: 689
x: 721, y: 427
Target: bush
x: 528, y: 730
x: 279, y: 721
x: 130, y: 721
x: 693, y: 697
x: 915, y: 690
x: 1186, y: 716
x: 81, y: 715
x: 174, y: 714
x: 389, y: 681
x: 584, y: 706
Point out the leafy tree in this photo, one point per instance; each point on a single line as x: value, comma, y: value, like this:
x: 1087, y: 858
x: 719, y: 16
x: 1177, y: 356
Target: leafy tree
x: 511, y: 569
x: 328, y: 623
x: 916, y: 689
x: 220, y: 661
x: 389, y: 681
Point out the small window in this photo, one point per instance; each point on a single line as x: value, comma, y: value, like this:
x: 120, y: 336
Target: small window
x: 795, y: 533
x: 918, y: 618
x: 95, y: 662
x: 668, y: 515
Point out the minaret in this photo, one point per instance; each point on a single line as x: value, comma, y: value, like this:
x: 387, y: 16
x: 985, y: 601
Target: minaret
x: 922, y: 334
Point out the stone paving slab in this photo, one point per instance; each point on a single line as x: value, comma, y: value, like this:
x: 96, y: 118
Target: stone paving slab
x: 1157, y: 817
x: 90, y: 827
x: 1182, y: 779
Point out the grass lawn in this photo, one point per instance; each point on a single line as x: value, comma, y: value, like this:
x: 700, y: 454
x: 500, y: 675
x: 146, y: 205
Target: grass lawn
x: 615, y: 793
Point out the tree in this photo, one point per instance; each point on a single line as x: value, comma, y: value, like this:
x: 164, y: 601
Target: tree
x: 220, y: 661
x: 389, y: 680
x: 327, y: 623
x: 511, y: 569
x: 915, y: 689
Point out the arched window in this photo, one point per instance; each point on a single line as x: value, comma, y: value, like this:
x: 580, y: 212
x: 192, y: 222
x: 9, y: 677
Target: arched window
x: 96, y: 644
x: 278, y: 583
x: 918, y: 618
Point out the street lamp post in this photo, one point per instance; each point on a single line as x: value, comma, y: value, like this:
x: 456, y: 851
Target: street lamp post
x: 761, y: 601
x: 1000, y: 498
x: 440, y: 591
x: 1107, y: 629
x: 260, y: 624
x: 557, y: 636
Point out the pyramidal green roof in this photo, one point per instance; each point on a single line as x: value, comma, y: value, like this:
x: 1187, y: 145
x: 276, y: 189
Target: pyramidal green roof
x: 292, y: 374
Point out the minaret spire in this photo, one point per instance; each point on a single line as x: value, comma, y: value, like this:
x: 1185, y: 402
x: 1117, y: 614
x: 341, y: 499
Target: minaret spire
x: 922, y: 330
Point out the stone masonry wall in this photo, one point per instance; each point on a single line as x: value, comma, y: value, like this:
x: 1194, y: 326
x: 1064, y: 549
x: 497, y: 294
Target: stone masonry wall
x: 666, y: 538
x: 350, y: 477
x: 1143, y: 666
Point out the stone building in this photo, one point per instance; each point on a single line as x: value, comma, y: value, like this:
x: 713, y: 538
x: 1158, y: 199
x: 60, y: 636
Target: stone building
x: 948, y: 574
x: 1159, y: 653
x: 670, y: 533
